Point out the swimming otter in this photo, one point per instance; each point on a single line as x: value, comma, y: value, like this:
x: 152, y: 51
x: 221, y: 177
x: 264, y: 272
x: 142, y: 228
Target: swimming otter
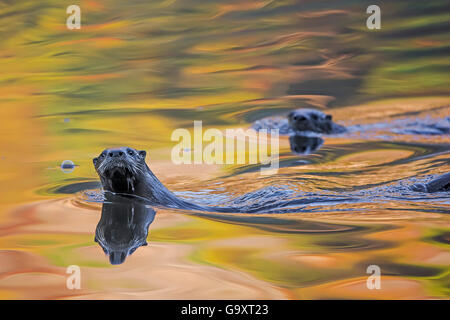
x: 124, y: 171
x: 313, y: 120
x: 441, y: 183
x: 123, y: 226
x: 300, y: 121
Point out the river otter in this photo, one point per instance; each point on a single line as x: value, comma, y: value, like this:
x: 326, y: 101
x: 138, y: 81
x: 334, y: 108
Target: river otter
x: 300, y: 121
x: 313, y: 120
x: 124, y: 171
x: 123, y: 226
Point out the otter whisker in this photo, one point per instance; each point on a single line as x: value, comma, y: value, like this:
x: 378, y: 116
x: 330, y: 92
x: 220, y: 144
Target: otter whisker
x: 130, y: 182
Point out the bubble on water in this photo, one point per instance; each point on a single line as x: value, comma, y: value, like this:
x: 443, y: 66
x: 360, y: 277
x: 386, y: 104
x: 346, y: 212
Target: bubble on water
x: 67, y: 166
x: 187, y: 150
x: 66, y: 120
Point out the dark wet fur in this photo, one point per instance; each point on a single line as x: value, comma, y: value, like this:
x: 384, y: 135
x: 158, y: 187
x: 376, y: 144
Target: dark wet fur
x: 123, y: 171
x: 302, y: 120
x: 441, y: 183
x: 133, y: 178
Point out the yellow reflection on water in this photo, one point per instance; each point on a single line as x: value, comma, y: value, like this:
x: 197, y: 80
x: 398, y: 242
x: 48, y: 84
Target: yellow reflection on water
x: 136, y: 72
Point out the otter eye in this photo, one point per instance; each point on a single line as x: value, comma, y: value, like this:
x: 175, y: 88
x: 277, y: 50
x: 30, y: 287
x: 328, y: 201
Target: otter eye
x: 102, y: 155
x: 130, y: 152
x: 314, y: 116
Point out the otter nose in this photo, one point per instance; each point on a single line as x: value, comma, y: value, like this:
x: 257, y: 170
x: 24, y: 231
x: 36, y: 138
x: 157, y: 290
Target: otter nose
x: 115, y: 153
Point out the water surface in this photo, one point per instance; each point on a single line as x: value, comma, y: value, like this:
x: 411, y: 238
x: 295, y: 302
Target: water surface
x: 137, y: 70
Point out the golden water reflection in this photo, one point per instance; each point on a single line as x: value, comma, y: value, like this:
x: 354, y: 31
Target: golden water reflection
x: 138, y: 70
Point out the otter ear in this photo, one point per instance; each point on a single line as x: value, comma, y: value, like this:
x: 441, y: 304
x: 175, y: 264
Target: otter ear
x: 329, y: 117
x: 145, y: 244
x: 95, y: 161
x: 95, y: 239
x: 142, y: 153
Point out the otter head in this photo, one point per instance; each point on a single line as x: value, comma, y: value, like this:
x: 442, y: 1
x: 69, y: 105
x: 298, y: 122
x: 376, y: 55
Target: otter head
x: 121, y: 169
x: 310, y: 120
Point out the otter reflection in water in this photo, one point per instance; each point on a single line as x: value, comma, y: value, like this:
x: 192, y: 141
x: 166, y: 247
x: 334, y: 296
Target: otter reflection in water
x: 303, y: 144
x: 123, y: 226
